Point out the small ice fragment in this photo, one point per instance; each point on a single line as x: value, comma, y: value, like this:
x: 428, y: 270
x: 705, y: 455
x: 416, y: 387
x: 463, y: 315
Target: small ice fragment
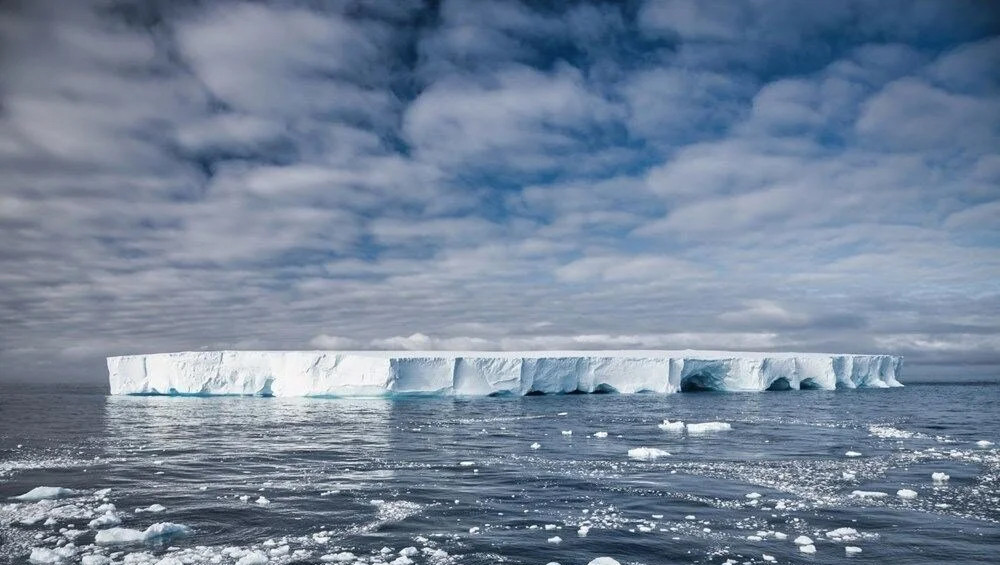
x: 253, y: 558
x: 583, y: 531
x: 707, y: 427
x: 562, y: 414
x: 984, y: 443
x: 550, y: 527
x: 853, y: 454
x: 262, y: 501
x: 868, y: 494
x: 44, y: 493
x: 603, y: 561
x: 768, y: 558
x: 940, y: 477
x: 906, y: 493
x: 474, y: 530
x: 669, y: 426
x: 803, y: 540
x: 646, y: 453
x: 42, y: 555
x: 104, y: 521
x: 150, y: 508
x: 567, y: 432
x: 689, y: 517
x: 466, y: 463
x: 753, y: 495
x: 852, y: 549
x: 848, y: 476
x: 535, y: 445
x: 780, y: 536
x: 95, y: 560
x: 807, y: 548
x: 342, y: 557
x: 841, y: 533
x: 600, y: 434
x: 160, y: 530
x: 555, y: 539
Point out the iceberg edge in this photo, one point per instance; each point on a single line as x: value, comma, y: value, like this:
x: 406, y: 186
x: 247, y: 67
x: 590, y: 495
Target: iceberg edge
x: 481, y: 373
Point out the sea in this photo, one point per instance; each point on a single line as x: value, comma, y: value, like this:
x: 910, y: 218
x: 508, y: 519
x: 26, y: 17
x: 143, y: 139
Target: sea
x: 816, y: 476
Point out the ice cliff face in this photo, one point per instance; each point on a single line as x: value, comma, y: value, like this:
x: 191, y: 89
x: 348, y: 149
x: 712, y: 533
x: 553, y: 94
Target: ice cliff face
x: 376, y: 373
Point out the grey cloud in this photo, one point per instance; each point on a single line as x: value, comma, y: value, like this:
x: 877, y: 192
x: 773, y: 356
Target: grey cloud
x: 758, y: 175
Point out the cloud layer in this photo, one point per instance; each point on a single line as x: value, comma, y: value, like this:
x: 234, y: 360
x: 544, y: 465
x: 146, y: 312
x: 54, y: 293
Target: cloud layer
x: 735, y: 175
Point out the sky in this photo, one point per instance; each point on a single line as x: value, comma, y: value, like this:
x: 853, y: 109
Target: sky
x: 762, y: 175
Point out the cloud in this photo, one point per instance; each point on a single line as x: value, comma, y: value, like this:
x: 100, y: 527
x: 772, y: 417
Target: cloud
x: 499, y: 175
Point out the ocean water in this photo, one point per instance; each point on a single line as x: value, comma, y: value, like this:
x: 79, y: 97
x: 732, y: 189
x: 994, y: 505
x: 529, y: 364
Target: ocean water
x: 459, y: 481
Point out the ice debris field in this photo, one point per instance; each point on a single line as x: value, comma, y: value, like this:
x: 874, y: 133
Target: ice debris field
x: 378, y: 373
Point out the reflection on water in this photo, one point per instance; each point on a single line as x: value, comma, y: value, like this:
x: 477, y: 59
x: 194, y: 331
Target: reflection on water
x: 460, y: 477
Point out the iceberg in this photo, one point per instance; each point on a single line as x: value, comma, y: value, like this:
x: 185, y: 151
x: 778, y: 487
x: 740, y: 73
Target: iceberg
x: 480, y: 373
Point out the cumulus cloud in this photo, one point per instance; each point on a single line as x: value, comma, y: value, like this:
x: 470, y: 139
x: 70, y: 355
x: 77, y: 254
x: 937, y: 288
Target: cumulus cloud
x: 498, y: 175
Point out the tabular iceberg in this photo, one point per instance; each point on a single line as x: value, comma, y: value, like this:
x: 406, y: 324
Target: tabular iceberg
x: 478, y: 373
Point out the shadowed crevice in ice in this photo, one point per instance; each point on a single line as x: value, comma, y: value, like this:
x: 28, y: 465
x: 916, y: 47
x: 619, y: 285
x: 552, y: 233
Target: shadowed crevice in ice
x: 781, y: 384
x: 702, y: 382
x: 809, y: 384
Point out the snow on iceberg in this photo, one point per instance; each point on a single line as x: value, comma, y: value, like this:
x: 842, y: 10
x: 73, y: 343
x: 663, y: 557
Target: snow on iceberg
x: 376, y: 373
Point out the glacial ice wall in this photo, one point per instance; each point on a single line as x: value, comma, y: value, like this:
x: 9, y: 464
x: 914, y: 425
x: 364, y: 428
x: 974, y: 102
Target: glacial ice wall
x: 377, y: 373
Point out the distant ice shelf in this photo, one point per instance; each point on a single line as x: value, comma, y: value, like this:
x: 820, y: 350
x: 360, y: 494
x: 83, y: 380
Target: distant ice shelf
x: 480, y: 373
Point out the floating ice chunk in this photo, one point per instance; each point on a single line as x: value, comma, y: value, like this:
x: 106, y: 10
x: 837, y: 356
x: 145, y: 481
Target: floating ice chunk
x: 44, y: 493
x: 583, y: 531
x: 669, y: 426
x: 555, y: 539
x: 753, y: 495
x: 105, y: 520
x: 169, y: 561
x: 466, y: 463
x: 868, y: 494
x: 803, y: 540
x: 707, y: 427
x: 842, y: 534
x: 646, y: 453
x: 151, y: 508
x: 984, y: 443
x: 780, y: 536
x: 262, y: 501
x: 852, y: 550
x: 535, y: 445
x: 600, y: 434
x: 810, y: 548
x: 848, y: 476
x: 342, y: 557
x: 768, y: 558
x: 567, y: 432
x: 549, y: 527
x: 940, y: 477
x: 906, y: 493
x: 852, y: 454
x: 689, y: 517
x: 604, y: 561
x: 253, y: 558
x: 160, y: 530
x: 44, y: 555
x: 95, y: 560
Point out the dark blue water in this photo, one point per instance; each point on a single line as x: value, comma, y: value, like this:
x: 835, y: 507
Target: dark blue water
x: 362, y: 475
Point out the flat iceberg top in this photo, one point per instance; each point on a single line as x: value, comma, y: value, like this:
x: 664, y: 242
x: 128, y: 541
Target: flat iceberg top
x: 476, y: 373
